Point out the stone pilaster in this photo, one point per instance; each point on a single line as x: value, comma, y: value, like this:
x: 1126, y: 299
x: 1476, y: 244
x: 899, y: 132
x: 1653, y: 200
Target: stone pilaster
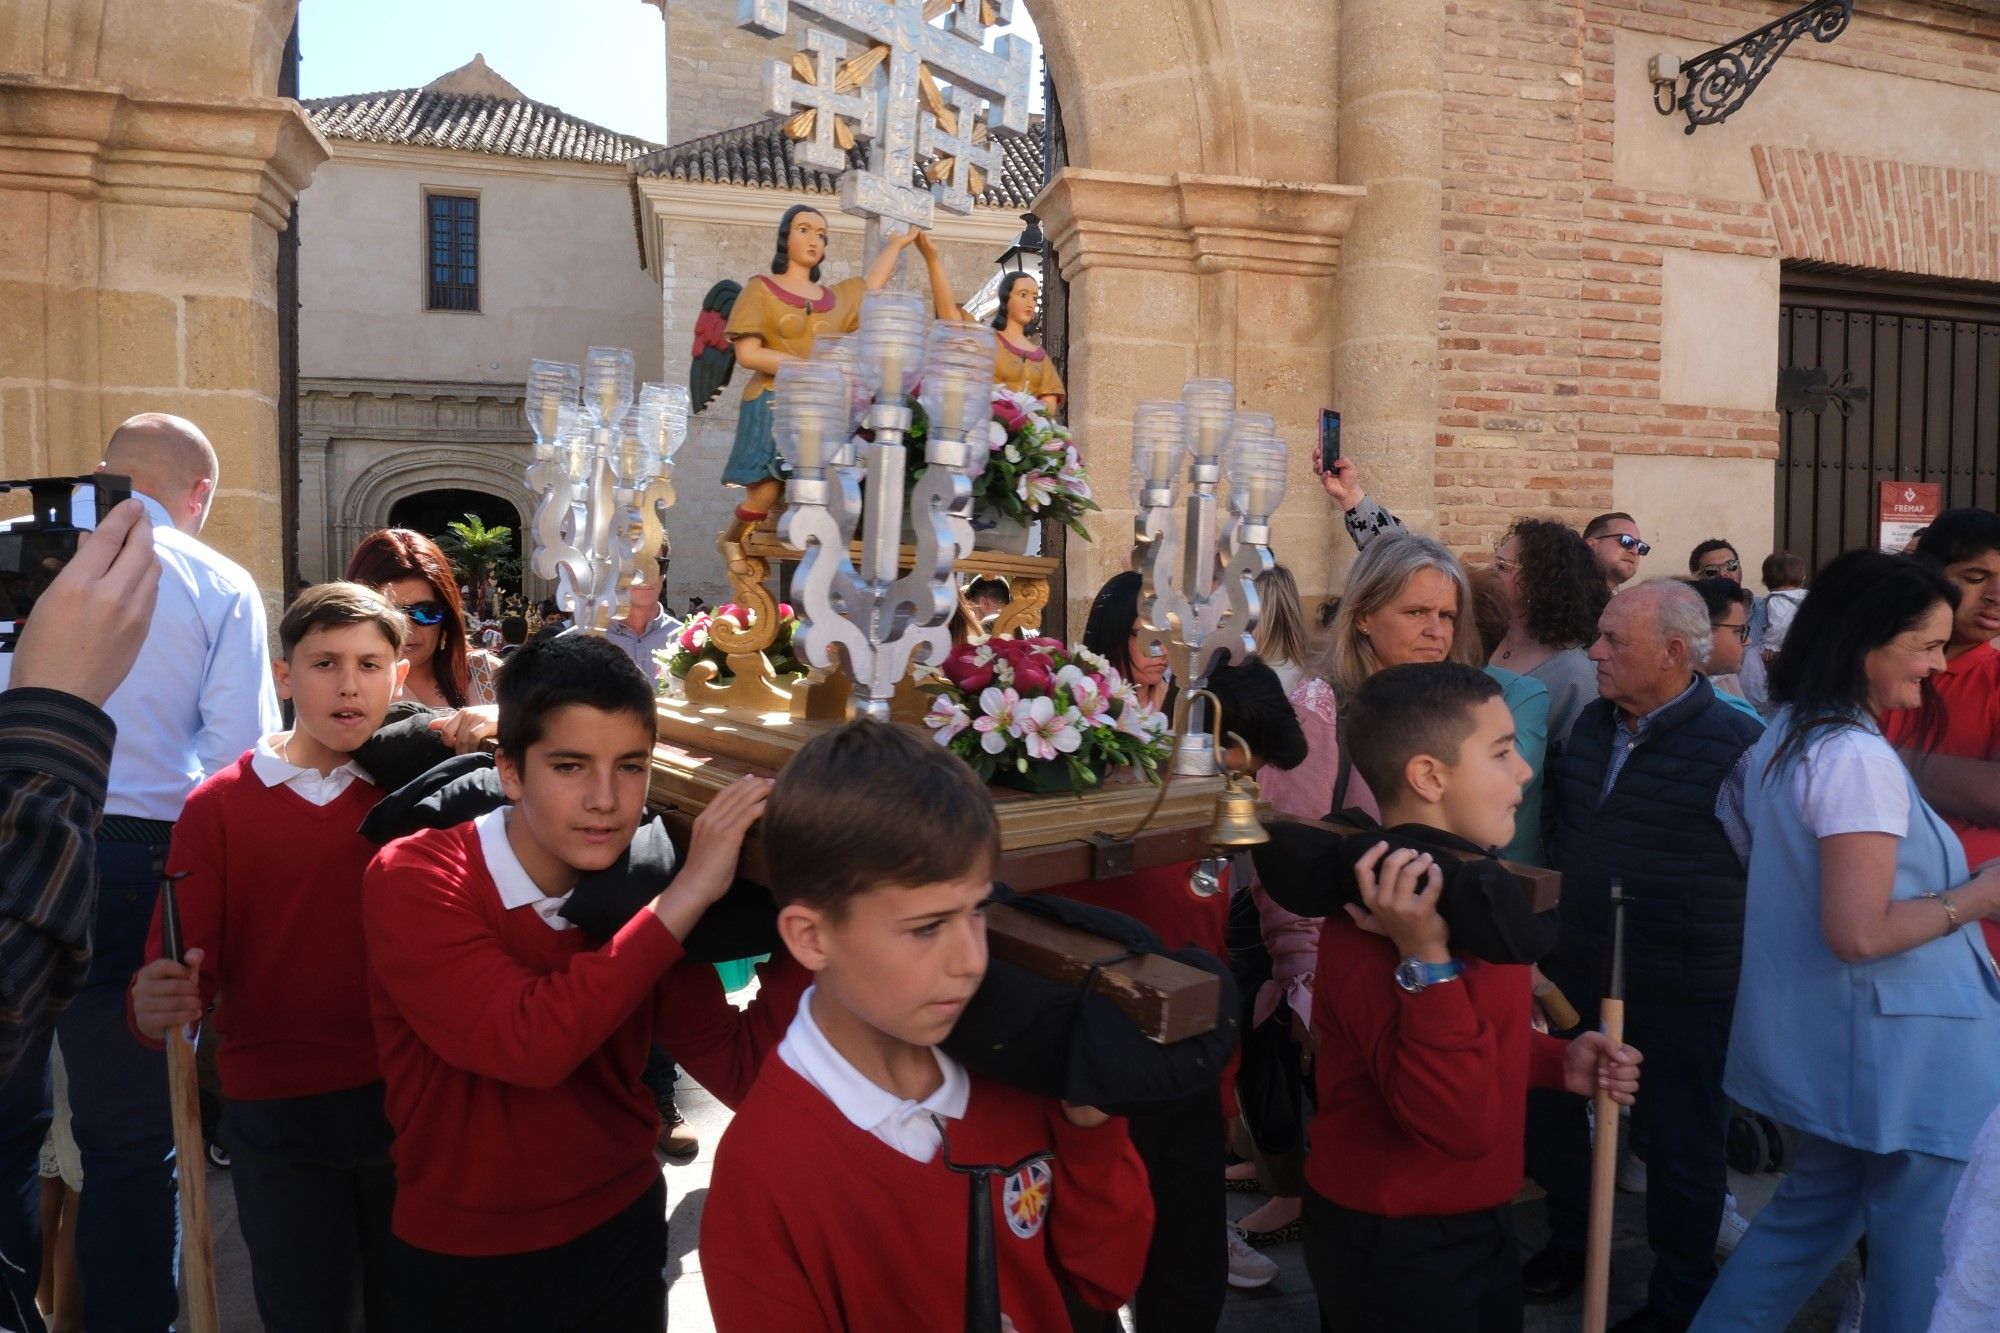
x: 138, y: 265
x: 1177, y: 276
x: 1392, y: 267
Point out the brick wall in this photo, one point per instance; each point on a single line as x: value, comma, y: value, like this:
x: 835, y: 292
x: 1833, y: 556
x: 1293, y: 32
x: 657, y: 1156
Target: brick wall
x: 1550, y: 329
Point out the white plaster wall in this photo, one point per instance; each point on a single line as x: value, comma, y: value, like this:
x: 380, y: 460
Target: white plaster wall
x: 1680, y: 502
x: 559, y: 268
x: 1803, y: 103
x: 1718, y: 330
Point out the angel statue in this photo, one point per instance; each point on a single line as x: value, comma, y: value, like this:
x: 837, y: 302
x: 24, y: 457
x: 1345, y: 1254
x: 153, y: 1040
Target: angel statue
x: 769, y: 320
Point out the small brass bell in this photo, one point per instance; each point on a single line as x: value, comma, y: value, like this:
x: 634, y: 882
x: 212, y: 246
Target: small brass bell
x: 1235, y: 823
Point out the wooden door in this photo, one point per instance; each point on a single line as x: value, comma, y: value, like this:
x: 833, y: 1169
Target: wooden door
x: 1915, y: 364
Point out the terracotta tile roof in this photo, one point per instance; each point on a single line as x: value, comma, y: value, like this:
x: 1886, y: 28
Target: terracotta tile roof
x: 470, y: 122
x: 760, y: 155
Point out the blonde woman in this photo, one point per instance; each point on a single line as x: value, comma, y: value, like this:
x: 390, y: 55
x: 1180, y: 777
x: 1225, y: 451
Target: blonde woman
x: 1283, y: 643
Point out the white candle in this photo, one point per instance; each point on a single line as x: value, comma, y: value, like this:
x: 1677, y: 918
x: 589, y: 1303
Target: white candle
x: 809, y: 442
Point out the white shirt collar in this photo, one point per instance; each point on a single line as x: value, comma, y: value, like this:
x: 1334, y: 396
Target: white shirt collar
x: 268, y: 762
x: 904, y: 1125
x: 510, y: 877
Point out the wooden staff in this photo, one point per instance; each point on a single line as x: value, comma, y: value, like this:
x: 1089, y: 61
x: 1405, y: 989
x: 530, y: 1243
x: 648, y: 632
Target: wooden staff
x: 1604, y: 1154
x: 184, y: 1099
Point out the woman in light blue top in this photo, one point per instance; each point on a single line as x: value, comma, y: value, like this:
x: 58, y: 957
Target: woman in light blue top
x: 1868, y: 1015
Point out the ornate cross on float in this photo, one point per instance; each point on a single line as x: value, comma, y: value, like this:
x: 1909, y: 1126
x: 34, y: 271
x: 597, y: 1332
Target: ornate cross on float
x: 904, y: 55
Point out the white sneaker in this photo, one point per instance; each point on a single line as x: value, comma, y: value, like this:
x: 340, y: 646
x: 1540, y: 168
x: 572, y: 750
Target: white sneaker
x: 1632, y: 1174
x: 1850, y: 1309
x: 1247, y: 1268
x: 1730, y: 1234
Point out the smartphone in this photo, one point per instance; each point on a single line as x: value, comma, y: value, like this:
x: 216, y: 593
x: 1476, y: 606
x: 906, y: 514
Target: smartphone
x: 1329, y: 438
x: 34, y: 549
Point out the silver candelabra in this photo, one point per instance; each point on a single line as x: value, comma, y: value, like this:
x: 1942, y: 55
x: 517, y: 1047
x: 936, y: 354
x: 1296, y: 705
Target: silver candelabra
x: 1198, y: 601
x: 882, y: 621
x: 603, y: 477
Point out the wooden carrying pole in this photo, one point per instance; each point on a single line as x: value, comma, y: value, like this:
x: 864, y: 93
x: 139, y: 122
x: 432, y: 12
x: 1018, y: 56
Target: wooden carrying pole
x: 191, y: 1158
x: 1604, y: 1150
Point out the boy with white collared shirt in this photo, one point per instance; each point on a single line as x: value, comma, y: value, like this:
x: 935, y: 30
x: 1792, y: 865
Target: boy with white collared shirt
x: 270, y: 907
x: 843, y: 1192
x: 528, y: 1196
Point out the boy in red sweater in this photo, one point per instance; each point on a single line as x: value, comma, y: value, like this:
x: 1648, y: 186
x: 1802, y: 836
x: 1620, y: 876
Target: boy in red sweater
x: 1425, y: 1058
x: 528, y: 1196
x: 840, y: 1196
x: 271, y: 911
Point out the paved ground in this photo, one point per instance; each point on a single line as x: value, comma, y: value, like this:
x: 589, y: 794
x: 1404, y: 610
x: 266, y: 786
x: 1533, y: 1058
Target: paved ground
x: 1286, y: 1306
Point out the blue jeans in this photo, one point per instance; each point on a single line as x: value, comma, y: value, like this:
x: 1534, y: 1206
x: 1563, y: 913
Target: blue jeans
x: 1832, y: 1197
x: 127, y: 1234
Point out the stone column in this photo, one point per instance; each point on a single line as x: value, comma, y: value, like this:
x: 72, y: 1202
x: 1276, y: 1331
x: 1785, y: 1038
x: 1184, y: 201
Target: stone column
x: 1392, y: 268
x: 1172, y: 277
x: 138, y: 268
x: 314, y: 514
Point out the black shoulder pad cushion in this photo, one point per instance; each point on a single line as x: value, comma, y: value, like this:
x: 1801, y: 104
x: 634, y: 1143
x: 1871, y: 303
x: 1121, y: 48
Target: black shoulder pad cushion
x: 742, y: 924
x: 1309, y: 870
x: 1051, y: 1038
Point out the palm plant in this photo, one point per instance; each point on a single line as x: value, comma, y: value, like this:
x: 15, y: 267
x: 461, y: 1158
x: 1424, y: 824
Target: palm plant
x: 477, y: 550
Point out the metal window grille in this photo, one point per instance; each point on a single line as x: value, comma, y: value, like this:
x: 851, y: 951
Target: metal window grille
x: 453, y: 247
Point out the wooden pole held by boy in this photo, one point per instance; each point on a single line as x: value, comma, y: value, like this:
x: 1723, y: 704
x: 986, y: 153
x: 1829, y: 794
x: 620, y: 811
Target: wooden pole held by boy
x: 1604, y: 1148
x: 184, y: 1099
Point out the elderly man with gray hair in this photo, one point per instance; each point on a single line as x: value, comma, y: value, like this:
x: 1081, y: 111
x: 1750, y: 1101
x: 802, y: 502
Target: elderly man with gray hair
x: 1649, y: 793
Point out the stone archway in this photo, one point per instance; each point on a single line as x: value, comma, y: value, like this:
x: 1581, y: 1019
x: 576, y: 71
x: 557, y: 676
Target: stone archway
x: 1199, y: 225
x: 410, y: 471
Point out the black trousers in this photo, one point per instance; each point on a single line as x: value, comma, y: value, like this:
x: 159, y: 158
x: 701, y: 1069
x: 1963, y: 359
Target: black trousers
x: 608, y: 1280
x: 1455, y: 1274
x: 314, y: 1191
x: 1683, y: 1118
x: 1187, y: 1265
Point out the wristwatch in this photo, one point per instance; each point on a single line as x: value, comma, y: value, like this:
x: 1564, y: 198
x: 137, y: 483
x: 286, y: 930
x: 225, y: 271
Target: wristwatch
x: 1415, y: 976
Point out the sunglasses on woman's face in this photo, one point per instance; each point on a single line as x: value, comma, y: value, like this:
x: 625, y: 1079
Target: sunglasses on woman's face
x: 426, y: 614
x: 1717, y: 571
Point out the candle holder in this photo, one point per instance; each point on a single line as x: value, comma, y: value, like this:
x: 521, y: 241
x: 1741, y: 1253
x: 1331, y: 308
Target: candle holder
x: 602, y: 473
x: 882, y: 621
x: 1197, y: 620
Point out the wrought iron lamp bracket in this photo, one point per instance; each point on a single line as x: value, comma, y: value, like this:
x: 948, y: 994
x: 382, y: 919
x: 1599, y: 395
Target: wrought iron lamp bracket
x: 1714, y: 85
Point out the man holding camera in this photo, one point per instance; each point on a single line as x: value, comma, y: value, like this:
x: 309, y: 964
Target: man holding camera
x: 199, y: 695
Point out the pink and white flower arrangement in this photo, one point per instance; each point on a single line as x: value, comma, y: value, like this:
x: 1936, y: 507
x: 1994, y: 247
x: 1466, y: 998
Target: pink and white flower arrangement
x: 1033, y: 470
x: 1007, y: 705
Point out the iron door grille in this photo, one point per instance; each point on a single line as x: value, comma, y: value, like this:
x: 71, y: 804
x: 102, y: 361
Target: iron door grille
x: 1917, y: 368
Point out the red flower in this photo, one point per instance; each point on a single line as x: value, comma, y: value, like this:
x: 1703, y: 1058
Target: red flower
x: 1009, y: 415
x: 969, y: 668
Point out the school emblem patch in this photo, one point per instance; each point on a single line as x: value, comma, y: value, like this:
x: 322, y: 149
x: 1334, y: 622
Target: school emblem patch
x: 1025, y: 1198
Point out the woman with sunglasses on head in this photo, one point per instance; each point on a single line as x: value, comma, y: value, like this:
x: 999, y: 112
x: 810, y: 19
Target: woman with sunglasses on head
x: 445, y: 671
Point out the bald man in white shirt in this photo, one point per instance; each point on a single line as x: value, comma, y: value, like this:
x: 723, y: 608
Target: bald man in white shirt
x: 199, y: 695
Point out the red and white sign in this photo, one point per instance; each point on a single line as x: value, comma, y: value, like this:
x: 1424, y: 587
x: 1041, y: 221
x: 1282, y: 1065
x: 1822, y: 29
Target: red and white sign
x: 1907, y: 508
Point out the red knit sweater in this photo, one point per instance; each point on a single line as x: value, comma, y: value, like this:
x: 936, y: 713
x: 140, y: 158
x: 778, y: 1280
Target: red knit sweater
x: 272, y: 898
x: 513, y: 1051
x: 813, y: 1224
x: 1423, y: 1099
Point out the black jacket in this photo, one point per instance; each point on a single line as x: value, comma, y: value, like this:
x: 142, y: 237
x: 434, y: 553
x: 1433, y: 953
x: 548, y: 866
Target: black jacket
x: 1657, y: 833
